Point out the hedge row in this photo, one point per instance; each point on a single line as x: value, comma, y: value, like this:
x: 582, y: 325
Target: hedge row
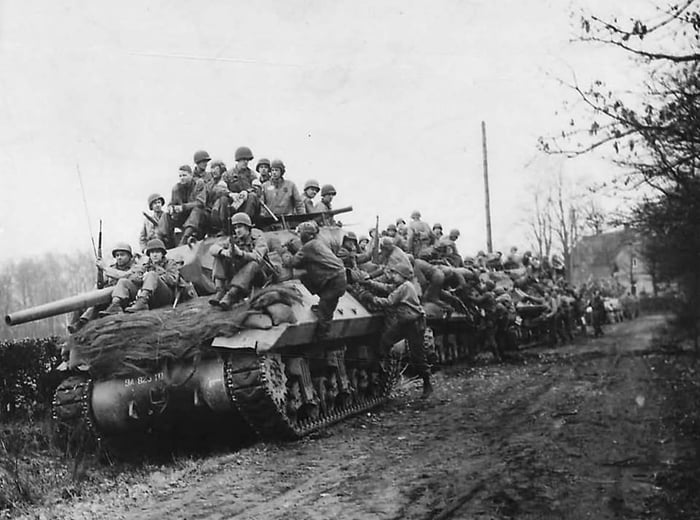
x: 27, y: 381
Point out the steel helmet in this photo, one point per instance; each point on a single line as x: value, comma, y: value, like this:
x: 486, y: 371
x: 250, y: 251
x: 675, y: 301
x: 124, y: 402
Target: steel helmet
x: 386, y: 242
x: 201, y: 155
x: 277, y: 163
x: 415, y: 214
x: 391, y: 227
x: 155, y: 244
x: 327, y: 189
x: 154, y: 197
x: 310, y: 227
x: 218, y: 162
x: 122, y: 246
x: 241, y: 218
x: 404, y: 270
x: 438, y: 226
x: 350, y: 235
x: 261, y: 162
x: 185, y: 168
x: 243, y: 152
x: 312, y: 183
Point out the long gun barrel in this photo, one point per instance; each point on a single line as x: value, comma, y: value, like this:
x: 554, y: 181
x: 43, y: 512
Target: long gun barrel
x: 72, y: 303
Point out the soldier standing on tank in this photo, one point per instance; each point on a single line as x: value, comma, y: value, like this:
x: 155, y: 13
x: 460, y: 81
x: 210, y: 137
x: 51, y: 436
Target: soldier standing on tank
x: 325, y: 273
x: 186, y: 209
x: 420, y: 235
x: 148, y: 285
x: 280, y: 195
x: 241, y: 174
x: 404, y: 319
x: 263, y: 169
x: 393, y: 232
x: 311, y: 189
x: 149, y: 230
x: 326, y: 204
x: 238, y: 262
x: 123, y: 263
x: 201, y: 159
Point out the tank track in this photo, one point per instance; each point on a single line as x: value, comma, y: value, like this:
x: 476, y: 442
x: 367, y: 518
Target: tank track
x: 257, y: 385
x: 73, y: 425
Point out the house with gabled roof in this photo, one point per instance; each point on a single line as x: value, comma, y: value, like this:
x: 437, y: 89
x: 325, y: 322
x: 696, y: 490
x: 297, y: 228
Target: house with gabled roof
x: 615, y: 255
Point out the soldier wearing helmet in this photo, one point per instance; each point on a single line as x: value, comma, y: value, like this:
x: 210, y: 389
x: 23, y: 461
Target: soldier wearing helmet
x: 437, y: 230
x: 148, y: 285
x: 149, y: 229
x: 280, y: 195
x: 404, y: 319
x: 263, y: 169
x: 349, y: 252
x: 238, y: 262
x: 311, y: 189
x: 240, y: 177
x: 420, y: 235
x: 201, y: 158
x: 186, y: 210
x: 325, y: 205
x: 325, y: 273
x: 217, y: 201
x: 393, y: 232
x: 123, y: 262
x: 390, y: 256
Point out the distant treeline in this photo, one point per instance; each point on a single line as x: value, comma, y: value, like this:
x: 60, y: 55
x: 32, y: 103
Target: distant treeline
x: 33, y: 281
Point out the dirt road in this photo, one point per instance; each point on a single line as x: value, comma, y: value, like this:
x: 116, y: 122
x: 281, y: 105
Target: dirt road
x: 598, y: 429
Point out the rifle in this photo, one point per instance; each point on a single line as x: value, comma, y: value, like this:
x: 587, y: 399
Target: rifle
x: 100, y: 272
x: 150, y: 218
x: 375, y: 245
x: 274, y: 217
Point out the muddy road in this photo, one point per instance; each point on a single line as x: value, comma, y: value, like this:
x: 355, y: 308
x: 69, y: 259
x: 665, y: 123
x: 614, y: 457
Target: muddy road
x: 600, y: 429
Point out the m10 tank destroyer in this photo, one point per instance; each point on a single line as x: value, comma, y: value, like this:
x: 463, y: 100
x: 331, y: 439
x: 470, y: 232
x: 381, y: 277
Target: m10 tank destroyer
x: 191, y: 368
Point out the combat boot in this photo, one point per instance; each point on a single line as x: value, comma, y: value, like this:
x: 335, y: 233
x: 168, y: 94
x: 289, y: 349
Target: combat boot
x: 187, y: 234
x: 427, y: 387
x: 219, y: 294
x: 233, y: 296
x: 114, y: 308
x: 141, y: 302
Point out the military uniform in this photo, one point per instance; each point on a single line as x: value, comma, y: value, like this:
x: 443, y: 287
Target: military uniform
x: 242, y: 271
x: 192, y: 219
x: 149, y: 230
x: 405, y: 319
x: 282, y: 197
x: 159, y: 278
x: 325, y: 276
x: 420, y: 236
x: 239, y: 179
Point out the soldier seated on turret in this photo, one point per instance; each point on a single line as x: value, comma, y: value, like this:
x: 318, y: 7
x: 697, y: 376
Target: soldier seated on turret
x: 238, y: 261
x: 148, y: 285
x: 186, y: 209
x: 149, y: 229
x: 124, y: 261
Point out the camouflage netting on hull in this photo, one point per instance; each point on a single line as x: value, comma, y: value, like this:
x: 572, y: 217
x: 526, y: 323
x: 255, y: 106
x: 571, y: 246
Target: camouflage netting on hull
x: 134, y: 344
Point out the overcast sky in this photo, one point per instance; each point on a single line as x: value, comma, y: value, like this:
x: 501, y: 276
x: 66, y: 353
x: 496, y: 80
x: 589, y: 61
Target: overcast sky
x: 383, y: 99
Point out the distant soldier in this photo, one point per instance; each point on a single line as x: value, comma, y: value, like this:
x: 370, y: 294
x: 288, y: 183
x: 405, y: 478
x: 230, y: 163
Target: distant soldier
x: 419, y: 234
x: 598, y: 318
x: 393, y: 232
x: 149, y: 230
x: 201, y: 159
x: 311, y: 189
x: 238, y: 262
x: 325, y: 273
x: 437, y: 231
x: 263, y: 169
x: 405, y: 319
x: 186, y: 209
x: 240, y: 177
x: 326, y: 204
x: 123, y: 262
x: 280, y: 195
x: 148, y: 285
x: 349, y: 252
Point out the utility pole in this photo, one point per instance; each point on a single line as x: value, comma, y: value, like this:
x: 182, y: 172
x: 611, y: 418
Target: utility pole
x: 489, y: 243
